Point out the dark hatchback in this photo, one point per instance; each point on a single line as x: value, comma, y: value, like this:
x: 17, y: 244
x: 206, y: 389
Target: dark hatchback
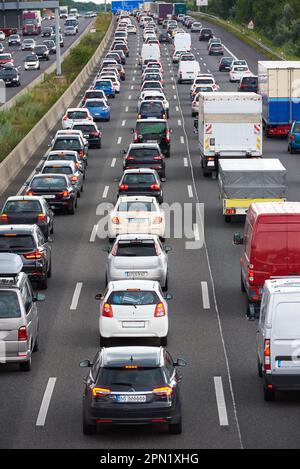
x: 248, y: 84
x: 145, y: 155
x: 152, y: 109
x: 42, y: 52
x: 153, y: 131
x: 90, y: 132
x: 141, y: 182
x: 225, y: 64
x: 56, y: 189
x: 206, y: 34
x: 29, y: 242
x: 24, y: 210
x: 132, y: 385
x: 10, y: 75
x: 51, y: 45
x: 165, y: 37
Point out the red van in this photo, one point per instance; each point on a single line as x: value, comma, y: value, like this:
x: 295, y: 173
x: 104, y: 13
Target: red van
x: 271, y: 247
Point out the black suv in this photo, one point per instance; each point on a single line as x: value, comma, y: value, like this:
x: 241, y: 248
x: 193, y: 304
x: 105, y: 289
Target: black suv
x: 206, y: 34
x: 145, y: 155
x: 132, y: 385
x: 153, y: 131
x: 10, y: 75
x: 42, y: 52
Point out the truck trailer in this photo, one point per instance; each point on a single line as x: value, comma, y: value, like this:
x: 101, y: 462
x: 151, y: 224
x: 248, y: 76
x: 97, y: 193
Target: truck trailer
x: 32, y: 21
x: 179, y: 9
x: 278, y: 84
x: 164, y: 9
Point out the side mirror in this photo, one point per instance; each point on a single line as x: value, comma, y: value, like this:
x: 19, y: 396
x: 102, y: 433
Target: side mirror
x: 123, y: 152
x: 106, y: 249
x: 171, y: 131
x: 39, y: 297
x: 238, y: 239
x: 99, y: 296
x: 131, y: 131
x: 26, y: 183
x: 117, y: 179
x: 168, y: 296
x: 180, y: 362
x: 167, y: 248
x: 85, y: 364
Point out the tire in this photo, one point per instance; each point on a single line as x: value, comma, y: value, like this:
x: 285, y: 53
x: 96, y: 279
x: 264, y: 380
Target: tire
x: 111, y: 240
x: 193, y: 114
x: 164, y: 341
x: 43, y: 284
x: 166, y: 285
x: 52, y: 229
x: 49, y: 273
x: 71, y: 210
x: 99, y: 145
x: 78, y: 194
x: 269, y: 395
x: 25, y: 366
x: 88, y: 429
x: 36, y: 344
x: 227, y: 218
x: 104, y: 341
x: 243, y: 289
x: 175, y: 428
x: 292, y: 151
x: 259, y: 368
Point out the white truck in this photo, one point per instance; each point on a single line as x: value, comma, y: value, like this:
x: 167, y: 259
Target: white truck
x: 63, y: 11
x: 149, y: 52
x: 182, y: 41
x: 229, y: 126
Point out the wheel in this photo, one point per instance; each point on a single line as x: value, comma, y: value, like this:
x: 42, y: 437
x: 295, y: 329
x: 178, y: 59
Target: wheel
x: 88, y: 428
x: 227, y: 218
x: 25, y: 366
x: 99, y: 145
x: 175, y: 428
x: 179, y: 81
x: 243, y: 289
x: 49, y: 273
x: 106, y: 282
x: 269, y: 394
x: 292, y: 151
x: 168, y: 155
x: 164, y: 341
x: 43, y: 284
x: 52, y: 228
x: 71, y: 210
x: 193, y: 114
x: 165, y: 287
x: 104, y: 341
x: 259, y: 368
x: 78, y: 194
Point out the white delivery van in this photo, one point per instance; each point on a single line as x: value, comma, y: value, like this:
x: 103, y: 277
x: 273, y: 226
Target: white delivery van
x: 187, y: 70
x: 182, y: 41
x: 278, y: 336
x: 149, y: 52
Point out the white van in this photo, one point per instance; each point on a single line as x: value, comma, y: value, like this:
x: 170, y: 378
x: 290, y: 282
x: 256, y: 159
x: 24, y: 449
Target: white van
x: 187, y: 70
x: 278, y: 336
x: 149, y: 52
x: 182, y: 41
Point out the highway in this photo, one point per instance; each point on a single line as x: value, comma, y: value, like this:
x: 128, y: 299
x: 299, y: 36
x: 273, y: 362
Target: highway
x: 27, y: 76
x: 223, y: 404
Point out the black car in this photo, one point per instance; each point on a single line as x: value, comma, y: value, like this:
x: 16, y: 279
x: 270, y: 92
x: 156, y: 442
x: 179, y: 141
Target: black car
x: 10, y: 75
x: 47, y: 31
x: 51, y: 45
x: 145, y: 155
x: 42, y: 52
x: 153, y: 131
x: 165, y: 37
x: 206, y: 34
x: 29, y: 242
x: 152, y: 109
x: 249, y: 83
x: 141, y: 182
x: 26, y: 210
x: 225, y: 64
x: 132, y: 385
x: 57, y: 189
x: 90, y: 132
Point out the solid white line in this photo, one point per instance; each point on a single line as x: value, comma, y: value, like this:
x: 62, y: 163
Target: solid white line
x: 76, y: 295
x: 201, y: 58
x: 177, y: 108
x: 40, y: 422
x: 185, y: 162
x: 94, y: 233
x: 223, y: 419
x: 204, y: 64
x: 119, y: 140
x: 179, y: 122
x: 123, y: 123
x: 105, y: 192
x: 196, y: 231
x: 113, y: 162
x: 190, y: 191
x: 134, y: 71
x: 175, y: 96
x: 205, y: 295
x: 126, y: 109
x: 129, y: 97
x: 181, y: 139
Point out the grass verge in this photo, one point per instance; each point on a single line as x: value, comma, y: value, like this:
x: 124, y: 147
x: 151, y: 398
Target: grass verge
x: 16, y: 122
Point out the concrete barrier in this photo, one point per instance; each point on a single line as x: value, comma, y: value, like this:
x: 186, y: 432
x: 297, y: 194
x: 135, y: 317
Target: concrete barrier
x: 21, y: 154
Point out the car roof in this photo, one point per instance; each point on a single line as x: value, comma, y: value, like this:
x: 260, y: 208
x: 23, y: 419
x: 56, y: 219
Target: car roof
x: 10, y: 264
x: 133, y: 237
x: 59, y: 163
x: 24, y: 197
x: 21, y: 229
x: 140, y: 356
x: 140, y: 171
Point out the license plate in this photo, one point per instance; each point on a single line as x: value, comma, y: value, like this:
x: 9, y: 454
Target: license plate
x: 152, y: 141
x: 86, y: 135
x: 131, y: 398
x: 288, y: 364
x: 48, y: 196
x: 210, y: 163
x: 133, y: 324
x: 136, y: 274
x: 137, y: 220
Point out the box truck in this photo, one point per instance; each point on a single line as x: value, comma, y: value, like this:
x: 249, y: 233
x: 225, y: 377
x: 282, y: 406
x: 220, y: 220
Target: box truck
x: 229, y: 126
x: 32, y: 21
x: 63, y: 11
x: 164, y: 9
x: 179, y: 9
x: 125, y: 5
x: 279, y: 86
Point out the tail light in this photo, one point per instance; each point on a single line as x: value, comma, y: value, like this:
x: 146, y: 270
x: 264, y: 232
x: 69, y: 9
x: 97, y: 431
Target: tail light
x: 157, y: 249
x: 251, y: 273
x: 65, y: 117
x: 123, y: 187
x: 230, y: 211
x: 95, y: 134
x: 34, y: 255
x: 168, y: 136
x: 154, y: 187
x: 22, y: 333
x: 107, y: 311
x: 135, y: 136
x: 267, y: 355
x: 130, y: 158
x: 4, y: 217
x: 100, y: 392
x: 64, y: 194
x: 41, y: 217
x: 114, y: 250
x: 163, y: 391
x: 157, y: 220
x: 115, y: 220
x: 73, y: 178
x: 292, y: 137
x: 81, y: 153
x: 159, y: 310
x: 158, y: 157
x: 30, y: 193
x: 77, y: 165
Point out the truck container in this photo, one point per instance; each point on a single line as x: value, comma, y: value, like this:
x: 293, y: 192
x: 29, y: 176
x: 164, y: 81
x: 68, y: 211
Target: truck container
x: 243, y: 182
x: 278, y: 84
x: 179, y: 9
x: 229, y: 126
x: 32, y: 21
x: 153, y: 8
x: 164, y: 9
x: 129, y: 5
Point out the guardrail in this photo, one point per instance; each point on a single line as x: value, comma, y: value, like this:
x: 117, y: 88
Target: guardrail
x: 241, y: 31
x: 21, y: 154
x: 48, y: 70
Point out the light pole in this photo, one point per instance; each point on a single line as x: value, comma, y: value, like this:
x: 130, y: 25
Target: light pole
x: 58, y: 63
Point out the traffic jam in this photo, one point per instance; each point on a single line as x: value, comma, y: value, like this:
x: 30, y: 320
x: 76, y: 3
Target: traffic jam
x: 141, y: 384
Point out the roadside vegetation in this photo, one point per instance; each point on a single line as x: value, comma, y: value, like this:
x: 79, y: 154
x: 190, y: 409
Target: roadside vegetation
x: 17, y: 121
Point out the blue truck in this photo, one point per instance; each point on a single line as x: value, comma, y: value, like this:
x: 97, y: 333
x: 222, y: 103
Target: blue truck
x: 125, y: 5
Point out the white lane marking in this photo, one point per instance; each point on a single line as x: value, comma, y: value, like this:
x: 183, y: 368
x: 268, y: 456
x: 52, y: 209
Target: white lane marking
x: 113, y: 162
x: 196, y: 232
x: 41, y: 419
x: 131, y: 87
x: 94, y: 233
x: 190, y: 192
x: 185, y: 162
x: 123, y: 123
x: 129, y: 97
x: 175, y: 96
x: 173, y: 86
x: 177, y: 108
x: 221, y: 404
x: 181, y: 139
x: 208, y: 70
x: 198, y: 53
x: 179, y: 122
x: 133, y: 79
x: 201, y: 58
x: 105, y: 192
x: 126, y: 109
x: 76, y: 295
x: 119, y: 140
x: 205, y: 295
x: 172, y: 78
x: 134, y: 71
x: 204, y: 64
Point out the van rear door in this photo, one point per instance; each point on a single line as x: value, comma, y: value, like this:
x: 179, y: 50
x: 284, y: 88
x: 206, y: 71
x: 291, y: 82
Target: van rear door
x: 293, y: 237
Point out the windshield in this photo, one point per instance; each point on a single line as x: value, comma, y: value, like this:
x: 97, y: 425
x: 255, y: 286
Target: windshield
x: 151, y: 128
x: 66, y: 144
x: 138, y: 298
x: 9, y: 305
x: 22, y: 206
x: 48, y: 183
x: 13, y: 243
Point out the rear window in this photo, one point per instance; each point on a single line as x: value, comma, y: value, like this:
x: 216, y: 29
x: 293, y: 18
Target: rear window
x: 205, y: 31
x: 142, y: 248
x: 203, y: 89
x: 152, y: 85
x: 136, y: 207
x: 57, y: 169
x: 96, y: 104
x: 151, y: 128
x: 152, y: 98
x: 21, y: 206
x: 85, y: 127
x: 48, y: 183
x: 139, y: 179
x: 152, y: 107
x: 77, y: 114
x: 9, y: 305
x: 93, y: 94
x: 14, y: 243
x: 103, y: 83
x: 206, y: 81
x: 250, y: 81
x: 152, y: 76
x: 66, y: 144
x: 287, y: 321
x: 62, y: 157
x: 144, y: 152
x: 138, y: 298
x: 139, y: 379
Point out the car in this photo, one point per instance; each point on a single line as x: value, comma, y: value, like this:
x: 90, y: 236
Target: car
x: 186, y: 57
x: 70, y: 31
x: 154, y: 95
x: 120, y: 53
x: 196, y: 27
x: 136, y: 214
x: 105, y: 85
x: 90, y: 132
x: 151, y: 108
x: 109, y: 71
x: 225, y: 64
x: 213, y: 40
x: 154, y: 66
x: 131, y: 29
x: 141, y: 181
x: 113, y: 78
x: 28, y: 44
x: 93, y: 94
x: 51, y: 45
x: 152, y: 76
x: 65, y: 167
x: 164, y: 37
x: 57, y: 189
x: 42, y: 52
x: 205, y: 34
x: 30, y: 244
x: 121, y: 71
x: 75, y: 114
x: 19, y: 321
x: 248, y: 84
x: 137, y: 257
x: 153, y: 131
x: 238, y: 72
x: 112, y: 56
x: 216, y: 48
x: 71, y: 21
x: 67, y: 142
x: 134, y: 385
x: 47, y: 31
x: 98, y: 108
x: 31, y: 62
x: 203, y: 80
x: 6, y: 59
x: 28, y: 210
x: 2, y: 36
x: 10, y: 75
x: 294, y: 138
x: 145, y: 155
x: 107, y: 62
x: 241, y: 62
x: 14, y: 40
x: 66, y: 155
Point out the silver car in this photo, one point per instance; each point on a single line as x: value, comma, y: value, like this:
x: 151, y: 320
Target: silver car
x: 65, y: 167
x: 138, y: 256
x: 19, y: 323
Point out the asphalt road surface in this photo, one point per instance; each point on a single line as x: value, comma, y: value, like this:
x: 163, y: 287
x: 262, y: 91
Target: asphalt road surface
x: 27, y: 76
x: 223, y: 404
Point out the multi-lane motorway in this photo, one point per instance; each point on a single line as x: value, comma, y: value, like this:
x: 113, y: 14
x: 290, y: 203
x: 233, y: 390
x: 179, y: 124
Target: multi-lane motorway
x: 27, y: 76
x: 208, y: 326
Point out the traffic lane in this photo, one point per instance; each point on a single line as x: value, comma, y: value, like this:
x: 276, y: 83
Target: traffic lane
x: 252, y: 410
x: 27, y: 76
